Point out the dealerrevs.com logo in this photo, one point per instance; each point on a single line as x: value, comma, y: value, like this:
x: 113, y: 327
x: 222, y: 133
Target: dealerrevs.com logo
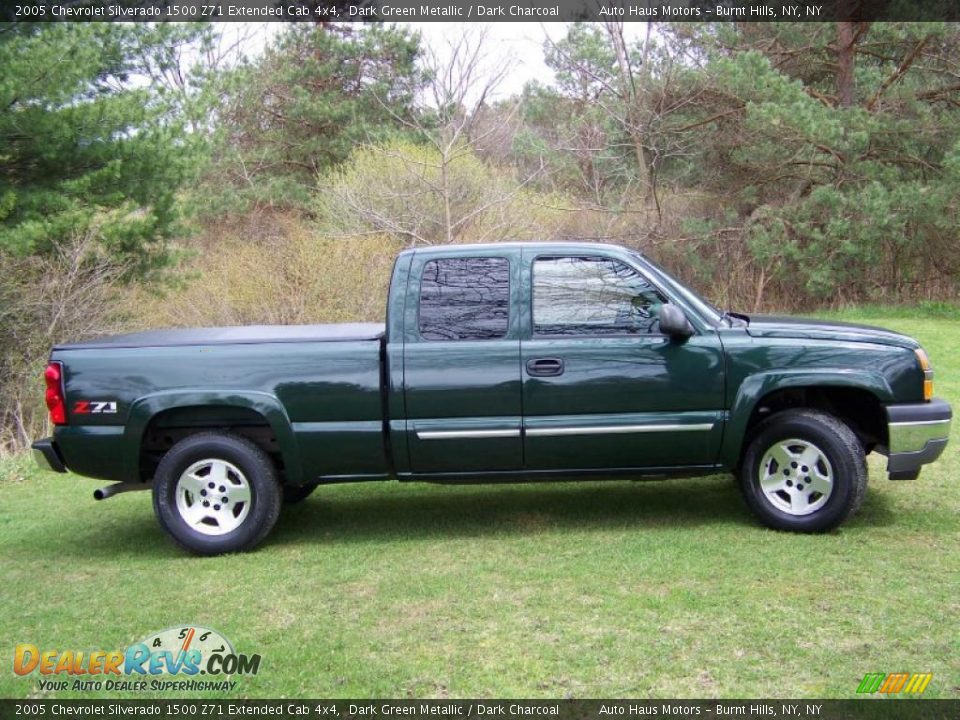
x: 173, y: 659
x: 894, y: 683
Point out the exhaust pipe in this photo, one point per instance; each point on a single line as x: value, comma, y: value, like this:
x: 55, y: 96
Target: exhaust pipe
x: 121, y: 487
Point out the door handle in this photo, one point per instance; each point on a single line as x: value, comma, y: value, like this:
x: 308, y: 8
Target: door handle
x: 545, y: 367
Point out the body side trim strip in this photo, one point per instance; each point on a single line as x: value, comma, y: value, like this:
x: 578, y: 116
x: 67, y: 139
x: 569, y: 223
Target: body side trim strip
x: 616, y: 429
x: 559, y: 431
x: 466, y: 434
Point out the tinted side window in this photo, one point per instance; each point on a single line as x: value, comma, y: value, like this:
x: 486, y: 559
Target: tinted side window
x: 465, y: 299
x: 592, y: 296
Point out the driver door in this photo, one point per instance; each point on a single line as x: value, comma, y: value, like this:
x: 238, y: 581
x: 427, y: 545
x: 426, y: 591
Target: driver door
x: 602, y: 386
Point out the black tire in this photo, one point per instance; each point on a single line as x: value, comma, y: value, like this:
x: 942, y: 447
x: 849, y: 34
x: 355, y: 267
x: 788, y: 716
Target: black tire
x: 296, y: 494
x: 847, y: 470
x: 259, y: 513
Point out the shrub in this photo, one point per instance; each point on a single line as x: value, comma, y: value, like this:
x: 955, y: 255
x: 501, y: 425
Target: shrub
x: 411, y: 193
x: 66, y: 295
x: 287, y: 275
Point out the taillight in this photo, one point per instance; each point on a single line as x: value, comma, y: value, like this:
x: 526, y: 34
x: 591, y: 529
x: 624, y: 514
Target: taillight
x: 56, y: 402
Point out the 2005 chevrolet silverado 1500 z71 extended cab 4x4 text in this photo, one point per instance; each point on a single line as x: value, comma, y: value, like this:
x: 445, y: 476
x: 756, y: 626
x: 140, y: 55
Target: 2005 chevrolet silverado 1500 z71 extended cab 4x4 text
x: 497, y: 363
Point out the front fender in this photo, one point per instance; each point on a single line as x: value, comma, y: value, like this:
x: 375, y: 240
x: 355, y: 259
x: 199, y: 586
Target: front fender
x: 265, y: 404
x: 757, y: 386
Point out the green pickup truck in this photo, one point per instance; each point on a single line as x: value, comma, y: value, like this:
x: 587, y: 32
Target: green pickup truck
x: 497, y: 363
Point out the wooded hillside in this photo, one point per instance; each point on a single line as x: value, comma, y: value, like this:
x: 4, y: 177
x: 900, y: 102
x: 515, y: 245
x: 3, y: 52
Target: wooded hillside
x: 153, y: 175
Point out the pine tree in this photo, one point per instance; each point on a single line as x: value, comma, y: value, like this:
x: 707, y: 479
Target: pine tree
x: 87, y: 143
x: 317, y: 92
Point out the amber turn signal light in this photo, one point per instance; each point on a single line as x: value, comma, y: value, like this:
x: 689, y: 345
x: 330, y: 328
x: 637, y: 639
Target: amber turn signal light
x: 927, y: 373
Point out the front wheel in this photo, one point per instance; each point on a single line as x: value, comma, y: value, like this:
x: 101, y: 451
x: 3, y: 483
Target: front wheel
x: 804, y: 471
x: 216, y: 493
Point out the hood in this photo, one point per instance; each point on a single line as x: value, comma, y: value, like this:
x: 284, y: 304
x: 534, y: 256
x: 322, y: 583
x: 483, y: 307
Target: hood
x: 793, y: 327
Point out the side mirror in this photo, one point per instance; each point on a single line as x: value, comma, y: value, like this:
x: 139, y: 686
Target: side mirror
x: 674, y: 323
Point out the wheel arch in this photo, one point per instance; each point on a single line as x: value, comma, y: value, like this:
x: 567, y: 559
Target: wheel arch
x: 200, y: 410
x: 856, y: 398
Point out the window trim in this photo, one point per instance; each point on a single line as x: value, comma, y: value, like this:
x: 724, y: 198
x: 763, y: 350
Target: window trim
x: 534, y: 335
x: 701, y: 308
x: 437, y: 259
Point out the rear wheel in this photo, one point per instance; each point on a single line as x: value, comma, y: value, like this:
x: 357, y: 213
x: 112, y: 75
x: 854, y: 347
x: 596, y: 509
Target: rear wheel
x: 216, y: 493
x: 804, y: 471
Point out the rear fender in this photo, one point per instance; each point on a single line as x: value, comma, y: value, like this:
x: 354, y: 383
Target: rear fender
x: 147, y: 407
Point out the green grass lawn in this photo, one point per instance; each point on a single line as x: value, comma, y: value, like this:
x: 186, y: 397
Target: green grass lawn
x: 664, y: 589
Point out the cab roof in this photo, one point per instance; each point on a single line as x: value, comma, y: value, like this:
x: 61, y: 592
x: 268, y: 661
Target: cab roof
x: 513, y: 245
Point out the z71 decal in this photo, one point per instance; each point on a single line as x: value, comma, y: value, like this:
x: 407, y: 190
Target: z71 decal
x: 95, y: 407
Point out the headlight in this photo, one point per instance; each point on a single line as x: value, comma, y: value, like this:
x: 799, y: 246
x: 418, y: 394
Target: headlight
x: 927, y: 373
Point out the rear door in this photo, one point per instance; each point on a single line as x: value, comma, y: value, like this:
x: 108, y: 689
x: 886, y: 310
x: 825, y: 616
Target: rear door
x: 462, y: 363
x: 602, y: 386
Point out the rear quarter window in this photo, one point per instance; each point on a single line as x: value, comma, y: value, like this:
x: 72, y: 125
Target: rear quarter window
x: 465, y: 299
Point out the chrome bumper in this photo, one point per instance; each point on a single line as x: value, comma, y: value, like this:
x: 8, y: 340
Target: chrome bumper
x: 918, y: 434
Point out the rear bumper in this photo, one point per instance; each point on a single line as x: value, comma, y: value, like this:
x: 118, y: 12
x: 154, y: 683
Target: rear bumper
x: 47, y: 456
x: 918, y: 435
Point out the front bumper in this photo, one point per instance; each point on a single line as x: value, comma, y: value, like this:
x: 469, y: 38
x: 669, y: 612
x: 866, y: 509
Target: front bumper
x: 47, y: 456
x: 918, y: 435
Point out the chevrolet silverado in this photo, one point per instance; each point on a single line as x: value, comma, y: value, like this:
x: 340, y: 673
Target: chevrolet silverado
x: 496, y: 363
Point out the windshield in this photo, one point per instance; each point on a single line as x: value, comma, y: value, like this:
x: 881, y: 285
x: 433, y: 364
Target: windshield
x: 707, y: 309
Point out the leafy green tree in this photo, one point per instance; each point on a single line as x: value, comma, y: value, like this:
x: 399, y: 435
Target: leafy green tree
x: 570, y: 124
x: 835, y: 143
x: 86, y: 144
x: 318, y: 91
x: 609, y: 126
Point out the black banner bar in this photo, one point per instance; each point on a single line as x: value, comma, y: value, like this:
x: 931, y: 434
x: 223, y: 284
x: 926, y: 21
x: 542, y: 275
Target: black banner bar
x: 479, y: 10
x: 867, y: 709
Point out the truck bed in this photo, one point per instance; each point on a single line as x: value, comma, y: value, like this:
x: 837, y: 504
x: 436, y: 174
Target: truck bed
x: 317, y: 386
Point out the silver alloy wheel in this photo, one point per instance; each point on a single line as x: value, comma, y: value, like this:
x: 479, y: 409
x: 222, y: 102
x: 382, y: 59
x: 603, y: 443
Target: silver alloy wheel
x: 213, y: 497
x: 796, y: 477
